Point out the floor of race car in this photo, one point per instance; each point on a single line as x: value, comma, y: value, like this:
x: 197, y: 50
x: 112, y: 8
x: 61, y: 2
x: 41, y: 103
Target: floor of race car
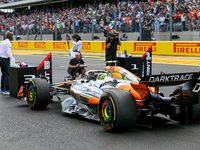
x: 23, y: 128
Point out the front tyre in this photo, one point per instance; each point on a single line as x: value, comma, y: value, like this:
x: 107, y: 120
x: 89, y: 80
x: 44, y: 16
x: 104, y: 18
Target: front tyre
x: 38, y: 93
x: 117, y: 110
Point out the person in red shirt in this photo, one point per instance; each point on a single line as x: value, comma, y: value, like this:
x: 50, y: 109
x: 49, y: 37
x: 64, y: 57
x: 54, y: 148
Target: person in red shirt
x: 179, y: 15
x: 193, y: 19
x: 48, y: 27
x: 198, y: 17
x: 193, y: 13
x: 127, y: 23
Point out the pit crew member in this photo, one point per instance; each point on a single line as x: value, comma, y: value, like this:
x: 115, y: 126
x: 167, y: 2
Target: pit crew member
x: 77, y: 66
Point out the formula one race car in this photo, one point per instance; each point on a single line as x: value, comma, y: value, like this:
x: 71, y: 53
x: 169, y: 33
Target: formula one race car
x: 119, y: 99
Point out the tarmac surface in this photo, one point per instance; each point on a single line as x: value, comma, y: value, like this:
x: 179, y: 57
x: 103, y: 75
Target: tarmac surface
x: 24, y: 129
x: 156, y: 58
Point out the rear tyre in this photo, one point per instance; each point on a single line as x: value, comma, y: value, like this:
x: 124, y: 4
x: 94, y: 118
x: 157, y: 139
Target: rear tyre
x: 38, y: 94
x: 117, y: 110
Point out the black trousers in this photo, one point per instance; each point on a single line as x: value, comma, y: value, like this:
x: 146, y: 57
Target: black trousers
x: 74, y: 71
x: 4, y: 64
x: 111, y: 57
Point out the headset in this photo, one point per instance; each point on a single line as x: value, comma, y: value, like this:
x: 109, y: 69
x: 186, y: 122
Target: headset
x: 76, y: 37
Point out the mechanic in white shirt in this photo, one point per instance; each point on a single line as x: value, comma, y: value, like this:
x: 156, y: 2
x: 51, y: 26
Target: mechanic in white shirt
x: 5, y: 57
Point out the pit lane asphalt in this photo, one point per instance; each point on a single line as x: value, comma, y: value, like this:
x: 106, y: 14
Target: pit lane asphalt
x: 24, y: 129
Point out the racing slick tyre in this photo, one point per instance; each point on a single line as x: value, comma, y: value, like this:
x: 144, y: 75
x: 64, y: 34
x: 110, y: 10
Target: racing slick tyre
x: 38, y: 94
x: 117, y: 110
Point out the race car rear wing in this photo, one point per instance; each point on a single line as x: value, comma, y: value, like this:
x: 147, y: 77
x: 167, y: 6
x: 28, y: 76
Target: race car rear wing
x: 169, y: 79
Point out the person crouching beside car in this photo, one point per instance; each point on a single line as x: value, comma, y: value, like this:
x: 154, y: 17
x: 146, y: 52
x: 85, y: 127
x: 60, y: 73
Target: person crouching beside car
x: 77, y: 66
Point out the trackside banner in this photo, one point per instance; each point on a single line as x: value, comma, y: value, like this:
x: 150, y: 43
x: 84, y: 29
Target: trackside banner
x: 158, y: 48
x: 45, y: 68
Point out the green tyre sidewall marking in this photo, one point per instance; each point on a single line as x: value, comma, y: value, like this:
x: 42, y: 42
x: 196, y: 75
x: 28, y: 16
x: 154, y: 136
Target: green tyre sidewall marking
x: 107, y: 125
x: 31, y: 103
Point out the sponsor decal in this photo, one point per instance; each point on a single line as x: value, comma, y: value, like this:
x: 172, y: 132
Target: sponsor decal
x: 45, y: 68
x: 27, y: 78
x: 47, y: 64
x: 185, y: 48
x: 196, y: 88
x: 134, y: 67
x: 23, y: 44
x: 59, y: 45
x: 144, y: 46
x: 86, y: 45
x: 104, y: 46
x: 40, y: 45
x: 80, y: 97
x: 165, y: 78
x: 147, y: 62
x: 124, y: 76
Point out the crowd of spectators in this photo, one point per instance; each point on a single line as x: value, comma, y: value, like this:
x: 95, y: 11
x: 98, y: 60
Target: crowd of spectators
x: 155, y: 17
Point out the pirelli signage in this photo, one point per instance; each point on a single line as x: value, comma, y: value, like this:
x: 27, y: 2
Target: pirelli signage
x: 173, y: 48
x: 187, y: 48
x: 41, y: 45
x: 59, y: 45
x: 23, y: 44
x: 86, y: 45
x: 144, y: 46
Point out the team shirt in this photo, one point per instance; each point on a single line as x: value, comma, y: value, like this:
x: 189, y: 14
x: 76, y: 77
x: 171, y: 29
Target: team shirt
x: 5, y: 49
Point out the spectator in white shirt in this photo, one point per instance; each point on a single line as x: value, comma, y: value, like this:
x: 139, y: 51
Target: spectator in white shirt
x: 183, y: 18
x: 162, y: 22
x: 77, y: 45
x: 5, y: 57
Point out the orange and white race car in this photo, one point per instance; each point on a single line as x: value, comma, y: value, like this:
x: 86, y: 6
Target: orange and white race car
x: 119, y: 99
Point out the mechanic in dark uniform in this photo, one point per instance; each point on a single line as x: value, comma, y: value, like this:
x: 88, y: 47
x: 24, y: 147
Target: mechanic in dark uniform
x: 5, y: 58
x: 77, y: 66
x: 111, y: 47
